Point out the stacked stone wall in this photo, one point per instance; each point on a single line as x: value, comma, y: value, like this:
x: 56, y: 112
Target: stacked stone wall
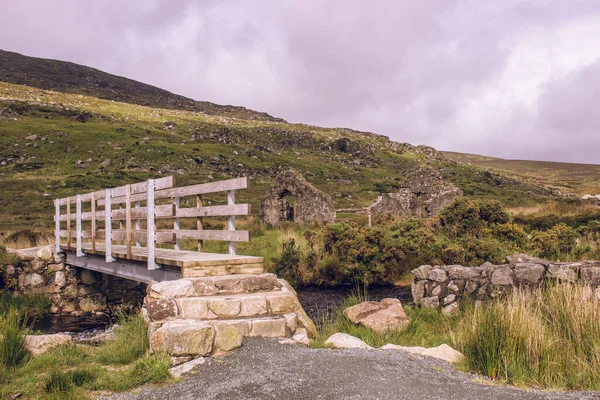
x: 71, y: 290
x: 445, y: 286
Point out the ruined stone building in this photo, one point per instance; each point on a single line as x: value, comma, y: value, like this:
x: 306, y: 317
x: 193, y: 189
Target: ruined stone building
x: 292, y: 198
x: 423, y: 194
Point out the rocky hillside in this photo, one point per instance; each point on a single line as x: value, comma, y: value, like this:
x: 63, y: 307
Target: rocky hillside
x: 62, y: 76
x: 56, y: 144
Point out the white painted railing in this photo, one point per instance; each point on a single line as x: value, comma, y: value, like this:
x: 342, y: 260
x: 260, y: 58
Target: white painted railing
x: 149, y: 192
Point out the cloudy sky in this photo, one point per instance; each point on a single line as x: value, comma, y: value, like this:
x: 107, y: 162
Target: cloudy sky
x: 508, y: 78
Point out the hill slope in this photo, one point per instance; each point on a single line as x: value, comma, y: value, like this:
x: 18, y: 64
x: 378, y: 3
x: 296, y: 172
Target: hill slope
x: 62, y: 76
x: 567, y: 177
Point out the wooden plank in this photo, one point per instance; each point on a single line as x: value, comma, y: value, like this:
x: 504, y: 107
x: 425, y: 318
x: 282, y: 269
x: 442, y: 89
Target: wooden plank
x: 108, y: 226
x: 93, y: 218
x: 128, y: 219
x: 138, y: 224
x: 230, y: 236
x: 57, y: 224
x: 79, y: 252
x: 199, y: 220
x: 141, y: 236
x: 203, y: 188
x: 176, y: 221
x: 69, y: 224
x: 150, y: 237
x: 138, y: 190
x: 231, y: 220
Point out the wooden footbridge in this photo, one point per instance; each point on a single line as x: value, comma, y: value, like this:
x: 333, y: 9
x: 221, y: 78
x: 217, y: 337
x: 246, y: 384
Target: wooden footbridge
x: 137, y: 231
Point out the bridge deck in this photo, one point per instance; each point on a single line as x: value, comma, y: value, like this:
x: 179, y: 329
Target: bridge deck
x: 191, y: 263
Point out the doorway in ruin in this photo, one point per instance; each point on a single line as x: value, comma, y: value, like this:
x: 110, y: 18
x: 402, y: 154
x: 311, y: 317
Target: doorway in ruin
x: 288, y: 206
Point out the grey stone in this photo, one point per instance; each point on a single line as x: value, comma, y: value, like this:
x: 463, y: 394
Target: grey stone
x: 60, y: 279
x: 451, y: 309
x: 502, y: 276
x: 418, y: 290
x: 436, y: 290
x: 344, y: 341
x: 422, y: 272
x: 590, y: 275
x: 471, y: 287
x: 159, y: 309
x: 437, y: 275
x: 528, y: 273
x: 562, y: 272
x: 524, y: 258
x: 448, y: 299
x: 431, y: 302
x: 460, y: 272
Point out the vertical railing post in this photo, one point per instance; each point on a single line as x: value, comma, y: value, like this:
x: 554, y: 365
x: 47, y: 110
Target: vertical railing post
x: 151, y: 227
x: 68, y: 223
x: 138, y: 224
x: 57, y: 223
x: 128, y: 220
x: 176, y: 221
x: 108, y: 225
x: 199, y: 225
x: 93, y: 220
x: 79, y: 251
x: 231, y: 220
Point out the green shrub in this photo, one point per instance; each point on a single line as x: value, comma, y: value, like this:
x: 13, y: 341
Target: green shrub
x: 129, y: 344
x: 287, y: 265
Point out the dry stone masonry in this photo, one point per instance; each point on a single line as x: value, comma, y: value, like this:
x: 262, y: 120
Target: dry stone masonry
x: 292, y: 198
x: 444, y: 286
x: 196, y: 317
x: 424, y: 194
x: 72, y: 290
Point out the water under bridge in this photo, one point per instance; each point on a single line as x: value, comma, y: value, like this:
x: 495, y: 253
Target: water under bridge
x: 154, y: 231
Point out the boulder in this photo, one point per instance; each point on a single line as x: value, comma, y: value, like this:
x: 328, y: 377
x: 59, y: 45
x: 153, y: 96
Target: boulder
x: 444, y: 352
x: 38, y: 344
x: 465, y: 273
x: 386, y: 315
x: 562, y: 272
x: 418, y: 290
x: 422, y: 272
x: 529, y: 273
x: 437, y: 275
x: 178, y: 371
x: 344, y: 341
x: 46, y: 253
x: 502, y: 276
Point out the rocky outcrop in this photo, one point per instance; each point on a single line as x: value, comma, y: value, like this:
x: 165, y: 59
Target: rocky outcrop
x: 424, y: 194
x: 72, y: 290
x: 383, y: 316
x: 196, y: 317
x: 444, y: 286
x: 292, y: 198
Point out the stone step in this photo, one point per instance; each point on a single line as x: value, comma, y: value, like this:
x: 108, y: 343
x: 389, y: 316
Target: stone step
x: 222, y: 306
x: 214, y: 285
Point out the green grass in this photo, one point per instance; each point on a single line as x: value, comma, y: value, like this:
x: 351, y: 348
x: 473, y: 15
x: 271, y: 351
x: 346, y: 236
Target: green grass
x: 130, y: 343
x: 77, y: 371
x: 13, y: 328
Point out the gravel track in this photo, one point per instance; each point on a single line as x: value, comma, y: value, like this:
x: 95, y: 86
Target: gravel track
x: 265, y: 369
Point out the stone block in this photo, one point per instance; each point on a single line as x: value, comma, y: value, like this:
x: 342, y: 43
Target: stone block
x: 435, y: 289
x: 93, y: 303
x: 502, y: 276
x: 386, y: 315
x: 422, y: 272
x: 172, y: 289
x: 590, y: 275
x: 227, y: 337
x: 261, y: 283
x: 56, y: 267
x: 38, y: 265
x: 431, y: 302
x: 204, y: 287
x: 226, y: 308
x: 465, y: 273
x: 60, y: 279
x: 471, y: 287
x: 282, y: 304
x: 192, y: 308
x: 242, y: 325
x: 456, y: 286
x: 88, y: 277
x: 437, y: 275
x: 448, y: 299
x: 46, y: 253
x: 562, y: 272
x: 268, y: 327
x: 184, y: 338
x: 159, y: 309
x: 529, y: 273
x: 254, y: 306
x: 291, y: 322
x: 417, y: 289
x: 229, y: 284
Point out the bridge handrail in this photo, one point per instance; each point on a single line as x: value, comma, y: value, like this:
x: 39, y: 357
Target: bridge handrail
x: 131, y: 197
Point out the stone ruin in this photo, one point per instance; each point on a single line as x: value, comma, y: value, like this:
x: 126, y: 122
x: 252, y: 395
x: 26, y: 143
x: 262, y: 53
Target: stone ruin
x: 291, y: 198
x: 424, y: 194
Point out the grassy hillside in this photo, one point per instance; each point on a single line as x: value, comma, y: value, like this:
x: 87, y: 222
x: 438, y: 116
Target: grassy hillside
x: 567, y: 177
x: 78, y: 133
x: 68, y: 77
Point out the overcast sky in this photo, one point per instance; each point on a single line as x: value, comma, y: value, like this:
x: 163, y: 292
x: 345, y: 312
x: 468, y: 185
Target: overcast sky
x: 507, y: 78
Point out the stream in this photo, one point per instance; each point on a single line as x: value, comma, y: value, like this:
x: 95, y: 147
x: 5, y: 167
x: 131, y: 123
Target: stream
x: 316, y: 301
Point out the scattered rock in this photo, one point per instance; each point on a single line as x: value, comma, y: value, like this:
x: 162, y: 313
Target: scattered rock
x: 444, y: 352
x: 39, y: 344
x: 386, y: 315
x: 178, y: 371
x: 344, y: 341
x: 33, y: 137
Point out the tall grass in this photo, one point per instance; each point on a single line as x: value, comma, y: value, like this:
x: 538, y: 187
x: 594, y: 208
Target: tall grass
x: 13, y: 328
x: 548, y: 337
x: 26, y: 238
x: 129, y: 344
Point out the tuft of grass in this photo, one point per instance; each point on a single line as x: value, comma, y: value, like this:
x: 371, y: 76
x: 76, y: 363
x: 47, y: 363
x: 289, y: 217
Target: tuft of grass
x: 32, y: 305
x: 153, y: 368
x: 548, y: 337
x: 13, y: 328
x: 130, y: 343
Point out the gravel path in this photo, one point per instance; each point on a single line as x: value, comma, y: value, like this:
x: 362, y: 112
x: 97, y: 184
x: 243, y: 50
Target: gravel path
x: 265, y: 369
